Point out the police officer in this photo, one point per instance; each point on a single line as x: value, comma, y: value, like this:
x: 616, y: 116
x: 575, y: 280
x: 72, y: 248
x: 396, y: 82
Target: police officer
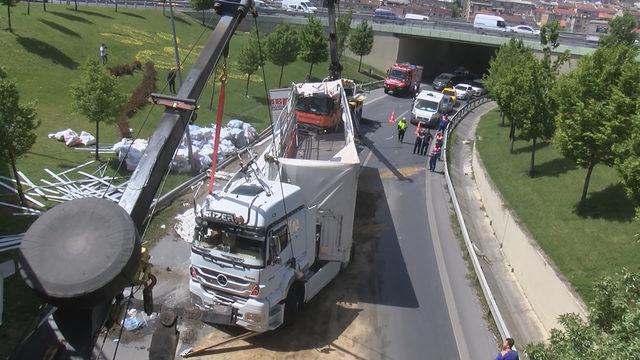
x: 402, y: 127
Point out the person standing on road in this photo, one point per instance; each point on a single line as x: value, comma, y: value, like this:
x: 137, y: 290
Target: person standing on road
x: 439, y: 139
x: 507, y: 352
x: 171, y: 79
x: 435, y: 155
x: 103, y: 53
x: 402, y: 127
x: 425, y: 143
x: 417, y: 146
x: 444, y: 122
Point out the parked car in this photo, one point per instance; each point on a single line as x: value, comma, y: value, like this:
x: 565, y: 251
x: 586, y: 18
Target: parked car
x: 445, y: 80
x: 386, y: 16
x: 524, y: 29
x: 451, y: 92
x: 463, y: 91
x: 478, y: 87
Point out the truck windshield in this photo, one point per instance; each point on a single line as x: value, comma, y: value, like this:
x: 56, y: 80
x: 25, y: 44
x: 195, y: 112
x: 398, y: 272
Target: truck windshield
x: 229, y: 245
x: 322, y: 105
x: 397, y: 74
x: 426, y: 105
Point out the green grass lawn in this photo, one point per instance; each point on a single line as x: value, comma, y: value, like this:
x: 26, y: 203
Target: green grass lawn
x: 43, y: 54
x: 585, y: 247
x: 46, y: 48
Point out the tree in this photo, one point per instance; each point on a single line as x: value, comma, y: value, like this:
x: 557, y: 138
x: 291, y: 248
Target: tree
x: 313, y: 43
x: 361, y: 41
x: 610, y: 332
x: 17, y: 125
x: 97, y: 96
x: 621, y: 30
x: 456, y: 9
x: 201, y: 5
x: 343, y: 29
x: 536, y: 108
x: 502, y: 81
x: 282, y: 47
x: 596, y: 107
x: 9, y: 4
x: 250, y: 60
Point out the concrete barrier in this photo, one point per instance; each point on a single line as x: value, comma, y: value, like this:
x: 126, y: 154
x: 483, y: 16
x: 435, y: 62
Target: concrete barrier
x: 549, y: 294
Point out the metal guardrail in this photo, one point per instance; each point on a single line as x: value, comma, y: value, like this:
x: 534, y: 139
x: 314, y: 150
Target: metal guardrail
x: 371, y: 85
x: 488, y: 295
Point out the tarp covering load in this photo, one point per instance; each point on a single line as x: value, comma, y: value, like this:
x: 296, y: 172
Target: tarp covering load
x: 236, y: 135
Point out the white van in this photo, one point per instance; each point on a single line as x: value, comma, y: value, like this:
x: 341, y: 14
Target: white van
x: 301, y: 6
x: 428, y: 107
x: 416, y: 17
x: 489, y: 22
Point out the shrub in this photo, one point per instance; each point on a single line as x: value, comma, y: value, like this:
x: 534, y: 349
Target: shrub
x: 138, y: 98
x: 125, y: 69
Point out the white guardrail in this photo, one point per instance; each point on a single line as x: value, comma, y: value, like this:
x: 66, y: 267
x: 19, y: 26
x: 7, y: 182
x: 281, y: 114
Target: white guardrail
x: 488, y: 295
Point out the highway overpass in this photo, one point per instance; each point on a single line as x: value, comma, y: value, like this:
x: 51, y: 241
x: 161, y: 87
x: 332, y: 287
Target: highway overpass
x: 439, y: 46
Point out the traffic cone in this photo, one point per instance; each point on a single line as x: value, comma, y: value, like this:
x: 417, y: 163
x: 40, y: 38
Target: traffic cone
x: 392, y: 117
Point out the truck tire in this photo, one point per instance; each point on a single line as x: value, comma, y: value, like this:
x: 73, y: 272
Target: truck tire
x: 386, y: 91
x: 292, y: 304
x: 345, y: 265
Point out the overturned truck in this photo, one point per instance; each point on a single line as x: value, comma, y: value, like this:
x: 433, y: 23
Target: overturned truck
x: 281, y: 228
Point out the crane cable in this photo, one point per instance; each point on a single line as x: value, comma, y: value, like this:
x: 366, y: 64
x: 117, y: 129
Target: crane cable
x: 146, y: 118
x: 220, y: 112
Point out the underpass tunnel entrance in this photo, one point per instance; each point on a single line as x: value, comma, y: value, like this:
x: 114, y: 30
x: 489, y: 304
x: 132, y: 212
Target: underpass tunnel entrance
x: 438, y: 56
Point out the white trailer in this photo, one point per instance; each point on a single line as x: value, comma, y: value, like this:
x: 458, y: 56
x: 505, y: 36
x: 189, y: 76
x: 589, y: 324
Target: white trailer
x: 281, y: 228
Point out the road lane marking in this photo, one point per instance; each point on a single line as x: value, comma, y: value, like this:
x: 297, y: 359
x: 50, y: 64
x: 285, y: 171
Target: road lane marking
x: 458, y: 333
x: 366, y: 160
x: 376, y: 99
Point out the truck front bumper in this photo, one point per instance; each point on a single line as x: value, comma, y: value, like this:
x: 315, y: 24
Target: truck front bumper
x: 226, y: 309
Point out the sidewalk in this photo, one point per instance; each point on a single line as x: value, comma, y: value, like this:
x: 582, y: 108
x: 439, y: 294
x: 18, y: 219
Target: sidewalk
x: 521, y: 320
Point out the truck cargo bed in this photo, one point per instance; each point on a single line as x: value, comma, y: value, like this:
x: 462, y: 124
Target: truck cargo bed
x: 313, y: 146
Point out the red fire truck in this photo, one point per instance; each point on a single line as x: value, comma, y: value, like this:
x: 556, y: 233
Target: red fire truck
x: 403, y: 77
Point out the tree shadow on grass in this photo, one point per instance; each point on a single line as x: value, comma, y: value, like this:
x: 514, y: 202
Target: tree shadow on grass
x: 93, y: 13
x: 529, y: 147
x: 610, y: 203
x: 179, y: 19
x: 555, y: 167
x: 63, y: 29
x: 132, y: 15
x: 71, y: 17
x: 46, y: 51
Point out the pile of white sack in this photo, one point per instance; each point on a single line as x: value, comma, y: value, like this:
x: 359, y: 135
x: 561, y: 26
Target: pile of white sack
x: 71, y: 138
x: 236, y: 135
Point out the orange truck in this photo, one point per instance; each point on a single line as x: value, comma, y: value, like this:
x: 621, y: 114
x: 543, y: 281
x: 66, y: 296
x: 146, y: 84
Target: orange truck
x: 403, y: 77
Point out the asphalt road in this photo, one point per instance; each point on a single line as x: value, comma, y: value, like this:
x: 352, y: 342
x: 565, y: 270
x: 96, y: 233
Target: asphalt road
x: 405, y: 296
x: 426, y: 306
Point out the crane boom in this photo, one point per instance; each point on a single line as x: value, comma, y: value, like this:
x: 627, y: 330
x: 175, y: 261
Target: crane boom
x: 79, y: 304
x: 335, y: 68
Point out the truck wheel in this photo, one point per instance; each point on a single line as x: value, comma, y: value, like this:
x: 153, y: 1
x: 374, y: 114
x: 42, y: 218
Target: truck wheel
x: 345, y: 265
x: 292, y: 305
x: 386, y: 91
